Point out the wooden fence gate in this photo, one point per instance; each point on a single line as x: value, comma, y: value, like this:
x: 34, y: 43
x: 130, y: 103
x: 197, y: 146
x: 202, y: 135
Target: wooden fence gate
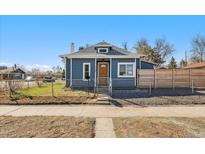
x: 171, y: 78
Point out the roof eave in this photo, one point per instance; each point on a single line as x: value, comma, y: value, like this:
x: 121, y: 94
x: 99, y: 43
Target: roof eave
x: 149, y: 62
x: 92, y: 57
x: 103, y: 45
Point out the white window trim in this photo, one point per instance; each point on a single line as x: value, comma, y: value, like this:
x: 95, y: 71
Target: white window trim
x: 84, y: 79
x: 102, y: 49
x: 126, y: 76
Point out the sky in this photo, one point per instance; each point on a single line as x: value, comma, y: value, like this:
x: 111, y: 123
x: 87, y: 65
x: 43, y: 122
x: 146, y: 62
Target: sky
x: 37, y: 41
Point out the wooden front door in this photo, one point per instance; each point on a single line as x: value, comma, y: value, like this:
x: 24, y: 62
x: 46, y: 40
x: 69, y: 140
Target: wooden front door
x: 103, y: 73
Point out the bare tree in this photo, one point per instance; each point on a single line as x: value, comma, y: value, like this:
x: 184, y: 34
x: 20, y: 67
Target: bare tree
x: 163, y: 48
x: 124, y: 45
x: 158, y: 54
x: 36, y: 73
x: 195, y: 59
x: 198, y: 48
x: 142, y: 46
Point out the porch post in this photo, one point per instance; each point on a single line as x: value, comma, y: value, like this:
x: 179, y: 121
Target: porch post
x: 110, y: 69
x: 71, y: 72
x: 95, y: 73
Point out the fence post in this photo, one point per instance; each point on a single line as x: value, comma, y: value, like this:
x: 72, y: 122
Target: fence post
x: 9, y: 84
x: 154, y: 78
x: 52, y: 87
x: 94, y: 88
x: 192, y: 86
x: 28, y: 84
x: 150, y: 88
x: 190, y: 82
x: 88, y: 85
x: 173, y: 86
x: 137, y: 78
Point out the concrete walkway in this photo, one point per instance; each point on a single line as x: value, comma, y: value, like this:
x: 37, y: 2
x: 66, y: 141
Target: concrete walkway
x: 104, y: 128
x: 102, y: 111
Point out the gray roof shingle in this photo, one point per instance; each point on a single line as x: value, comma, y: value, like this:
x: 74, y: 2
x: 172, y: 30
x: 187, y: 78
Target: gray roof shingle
x: 90, y: 52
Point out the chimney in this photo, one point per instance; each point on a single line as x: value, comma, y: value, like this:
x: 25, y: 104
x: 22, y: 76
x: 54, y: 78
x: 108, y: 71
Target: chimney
x: 72, y: 47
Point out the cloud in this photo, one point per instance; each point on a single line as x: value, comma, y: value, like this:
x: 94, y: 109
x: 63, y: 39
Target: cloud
x: 41, y: 67
x: 6, y: 64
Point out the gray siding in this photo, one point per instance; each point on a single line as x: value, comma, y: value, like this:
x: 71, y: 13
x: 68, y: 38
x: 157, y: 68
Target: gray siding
x: 146, y: 65
x: 67, y: 74
x: 77, y: 73
x: 121, y: 82
x: 137, y: 63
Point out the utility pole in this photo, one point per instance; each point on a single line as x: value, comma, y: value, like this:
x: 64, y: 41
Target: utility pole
x: 186, y: 57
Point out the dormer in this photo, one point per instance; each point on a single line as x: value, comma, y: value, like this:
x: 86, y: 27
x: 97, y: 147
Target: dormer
x: 103, y: 48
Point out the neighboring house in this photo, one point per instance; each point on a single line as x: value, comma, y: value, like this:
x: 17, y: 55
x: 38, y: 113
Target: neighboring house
x: 3, y: 67
x: 196, y: 65
x: 12, y: 73
x: 103, y: 64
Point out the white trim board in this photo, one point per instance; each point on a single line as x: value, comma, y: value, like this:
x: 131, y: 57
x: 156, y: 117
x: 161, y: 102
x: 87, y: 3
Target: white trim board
x: 102, y: 49
x: 125, y: 63
x: 84, y: 71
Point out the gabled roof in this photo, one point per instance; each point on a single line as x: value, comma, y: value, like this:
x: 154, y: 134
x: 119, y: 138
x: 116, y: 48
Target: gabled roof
x: 10, y: 70
x: 103, y: 43
x: 196, y: 65
x: 90, y: 52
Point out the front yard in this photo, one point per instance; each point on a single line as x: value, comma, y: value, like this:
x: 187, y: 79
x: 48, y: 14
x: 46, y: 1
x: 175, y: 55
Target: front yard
x: 43, y: 95
x: 158, y: 127
x: 46, y: 90
x: 46, y: 126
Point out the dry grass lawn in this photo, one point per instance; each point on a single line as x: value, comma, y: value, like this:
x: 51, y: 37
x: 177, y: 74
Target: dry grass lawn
x: 46, y: 90
x: 46, y: 126
x: 154, y: 127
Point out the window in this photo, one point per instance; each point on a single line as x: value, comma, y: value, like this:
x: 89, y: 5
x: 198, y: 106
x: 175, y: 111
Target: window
x: 86, y: 71
x: 126, y: 70
x: 102, y: 50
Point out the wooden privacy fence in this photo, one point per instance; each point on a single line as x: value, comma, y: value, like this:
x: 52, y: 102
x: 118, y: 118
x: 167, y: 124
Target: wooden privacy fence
x: 171, y: 78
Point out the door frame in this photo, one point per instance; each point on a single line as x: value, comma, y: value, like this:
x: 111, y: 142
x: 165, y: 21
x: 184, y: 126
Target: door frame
x: 108, y: 70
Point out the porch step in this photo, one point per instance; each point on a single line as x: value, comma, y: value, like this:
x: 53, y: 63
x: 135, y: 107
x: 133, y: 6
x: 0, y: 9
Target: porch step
x: 103, y: 90
x: 103, y: 94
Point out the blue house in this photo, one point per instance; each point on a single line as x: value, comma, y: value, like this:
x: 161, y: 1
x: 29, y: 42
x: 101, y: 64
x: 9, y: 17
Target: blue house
x: 103, y: 65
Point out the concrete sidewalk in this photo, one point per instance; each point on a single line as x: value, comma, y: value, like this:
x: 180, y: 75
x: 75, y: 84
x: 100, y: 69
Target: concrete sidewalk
x: 104, y: 128
x: 102, y: 111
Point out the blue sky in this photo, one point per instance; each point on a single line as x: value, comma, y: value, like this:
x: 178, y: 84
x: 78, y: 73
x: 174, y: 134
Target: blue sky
x: 38, y: 40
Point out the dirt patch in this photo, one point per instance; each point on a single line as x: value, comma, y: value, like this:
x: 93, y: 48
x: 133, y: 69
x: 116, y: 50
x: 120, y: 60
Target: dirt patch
x: 42, y: 100
x: 152, y: 127
x: 142, y: 97
x: 46, y: 126
x: 164, y: 100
